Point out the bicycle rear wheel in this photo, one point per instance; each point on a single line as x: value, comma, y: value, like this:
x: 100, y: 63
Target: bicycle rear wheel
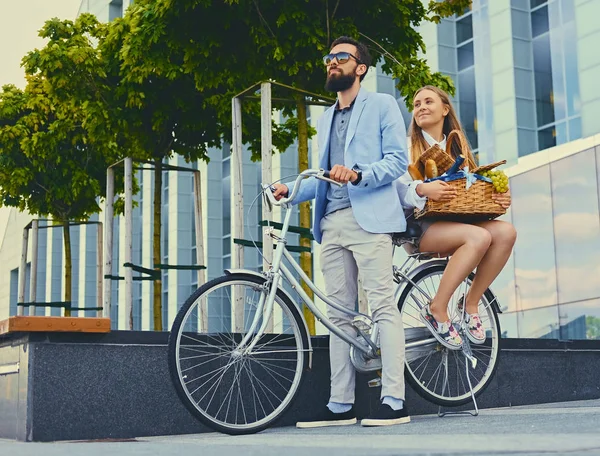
x: 227, y: 388
x: 436, y: 373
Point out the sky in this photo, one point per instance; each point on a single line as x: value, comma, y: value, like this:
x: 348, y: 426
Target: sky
x: 20, y: 21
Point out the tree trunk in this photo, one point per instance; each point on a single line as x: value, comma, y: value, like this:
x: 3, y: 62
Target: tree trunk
x: 305, y: 218
x: 68, y: 266
x: 156, y: 254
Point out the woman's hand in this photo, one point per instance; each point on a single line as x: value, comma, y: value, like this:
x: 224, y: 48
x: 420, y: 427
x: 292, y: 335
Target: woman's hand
x: 437, y: 191
x: 503, y: 199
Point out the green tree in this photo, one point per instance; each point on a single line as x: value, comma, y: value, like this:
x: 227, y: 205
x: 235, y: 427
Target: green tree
x: 592, y: 327
x: 161, y: 112
x: 48, y: 166
x: 95, y: 71
x: 292, y: 37
x: 89, y: 103
x: 53, y: 158
x: 232, y: 44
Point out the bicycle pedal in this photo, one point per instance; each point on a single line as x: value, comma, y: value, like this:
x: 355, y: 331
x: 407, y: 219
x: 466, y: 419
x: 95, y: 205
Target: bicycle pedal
x: 375, y: 383
x: 362, y: 323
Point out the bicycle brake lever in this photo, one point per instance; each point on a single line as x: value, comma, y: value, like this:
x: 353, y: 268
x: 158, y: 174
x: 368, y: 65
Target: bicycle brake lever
x: 268, y: 196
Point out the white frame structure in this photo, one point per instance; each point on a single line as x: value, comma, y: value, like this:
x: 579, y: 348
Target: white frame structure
x: 108, y: 232
x: 237, y: 200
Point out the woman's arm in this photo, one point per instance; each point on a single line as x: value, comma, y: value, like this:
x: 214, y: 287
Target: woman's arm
x: 407, y: 191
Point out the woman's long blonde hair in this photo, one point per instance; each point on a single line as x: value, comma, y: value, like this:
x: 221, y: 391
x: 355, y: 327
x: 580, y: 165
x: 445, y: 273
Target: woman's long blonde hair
x: 418, y: 144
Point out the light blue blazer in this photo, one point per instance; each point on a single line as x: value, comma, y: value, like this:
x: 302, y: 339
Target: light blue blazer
x: 376, y: 144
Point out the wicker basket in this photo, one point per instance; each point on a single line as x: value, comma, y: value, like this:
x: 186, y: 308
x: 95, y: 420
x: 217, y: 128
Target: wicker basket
x: 443, y: 159
x: 474, y: 203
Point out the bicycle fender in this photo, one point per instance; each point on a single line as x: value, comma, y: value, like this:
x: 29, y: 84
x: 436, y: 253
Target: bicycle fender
x: 258, y: 274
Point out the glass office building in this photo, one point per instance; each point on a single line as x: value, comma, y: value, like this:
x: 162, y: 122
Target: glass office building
x: 526, y: 75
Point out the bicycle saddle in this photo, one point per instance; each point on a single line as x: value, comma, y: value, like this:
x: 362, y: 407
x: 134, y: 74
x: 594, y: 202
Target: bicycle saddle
x: 413, y: 231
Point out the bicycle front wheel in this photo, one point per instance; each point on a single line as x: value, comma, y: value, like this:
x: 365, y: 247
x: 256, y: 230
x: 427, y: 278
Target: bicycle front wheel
x: 227, y: 387
x: 436, y: 373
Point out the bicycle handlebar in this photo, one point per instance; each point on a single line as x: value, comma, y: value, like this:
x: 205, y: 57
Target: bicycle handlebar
x: 320, y: 174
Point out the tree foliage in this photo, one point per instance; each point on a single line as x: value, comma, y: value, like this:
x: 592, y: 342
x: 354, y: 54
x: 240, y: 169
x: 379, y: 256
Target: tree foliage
x: 51, y: 162
x: 160, y: 80
x: 227, y: 46
x: 52, y: 159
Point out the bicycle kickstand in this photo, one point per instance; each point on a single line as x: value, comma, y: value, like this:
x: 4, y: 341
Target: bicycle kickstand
x: 468, y: 358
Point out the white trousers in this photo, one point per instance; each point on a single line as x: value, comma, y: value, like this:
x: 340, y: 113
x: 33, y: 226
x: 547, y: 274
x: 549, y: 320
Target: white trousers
x: 346, y: 251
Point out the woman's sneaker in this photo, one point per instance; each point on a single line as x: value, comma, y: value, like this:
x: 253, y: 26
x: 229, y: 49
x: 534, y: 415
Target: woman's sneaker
x: 444, y: 332
x: 475, y: 328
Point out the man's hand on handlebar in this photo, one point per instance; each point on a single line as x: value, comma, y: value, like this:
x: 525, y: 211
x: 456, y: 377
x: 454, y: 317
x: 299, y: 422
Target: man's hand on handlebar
x: 342, y: 174
x: 280, y: 191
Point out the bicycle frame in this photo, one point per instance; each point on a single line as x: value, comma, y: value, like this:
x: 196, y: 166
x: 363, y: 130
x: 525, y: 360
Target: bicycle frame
x: 279, y: 270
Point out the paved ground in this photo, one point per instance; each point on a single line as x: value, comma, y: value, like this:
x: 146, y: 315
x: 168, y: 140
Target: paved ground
x: 571, y: 428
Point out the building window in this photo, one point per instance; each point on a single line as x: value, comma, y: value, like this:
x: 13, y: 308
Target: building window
x: 464, y: 28
x: 468, y: 104
x: 542, y: 63
x: 165, y: 249
x: 115, y: 9
x: 555, y: 72
x: 539, y: 21
x: 138, y: 222
x: 465, y: 79
x: 14, y: 292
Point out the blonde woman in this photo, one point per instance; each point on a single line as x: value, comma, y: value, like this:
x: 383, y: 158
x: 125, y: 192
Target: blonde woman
x: 485, y: 245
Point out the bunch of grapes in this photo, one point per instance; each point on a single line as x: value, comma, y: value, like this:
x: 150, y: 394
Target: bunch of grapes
x: 499, y: 180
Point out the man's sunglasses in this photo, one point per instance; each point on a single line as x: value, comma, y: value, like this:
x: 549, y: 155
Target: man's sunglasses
x: 341, y: 57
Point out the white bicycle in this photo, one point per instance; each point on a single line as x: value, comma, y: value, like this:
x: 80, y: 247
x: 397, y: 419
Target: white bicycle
x: 239, y: 346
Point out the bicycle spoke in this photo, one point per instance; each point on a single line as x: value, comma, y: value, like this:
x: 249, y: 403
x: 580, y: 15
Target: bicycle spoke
x: 437, y: 380
x: 262, y: 386
x: 202, y: 376
x: 271, y: 372
x: 272, y: 367
x: 459, y: 375
x: 201, y: 342
x: 424, y: 360
x: 436, y: 371
x: 203, y: 363
x: 229, y: 394
x: 204, y: 354
x: 425, y: 368
x: 223, y: 372
x: 254, y: 390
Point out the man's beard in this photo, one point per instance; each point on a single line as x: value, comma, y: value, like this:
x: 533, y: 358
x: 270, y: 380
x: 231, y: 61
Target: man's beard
x: 340, y: 82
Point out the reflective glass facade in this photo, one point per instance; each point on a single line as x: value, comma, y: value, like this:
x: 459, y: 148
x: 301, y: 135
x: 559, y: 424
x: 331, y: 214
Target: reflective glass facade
x: 534, y: 98
x: 551, y: 286
x: 457, y: 60
x: 105, y: 10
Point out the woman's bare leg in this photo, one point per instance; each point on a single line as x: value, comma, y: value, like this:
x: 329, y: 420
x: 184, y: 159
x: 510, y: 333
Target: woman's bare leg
x: 503, y: 239
x: 467, y: 244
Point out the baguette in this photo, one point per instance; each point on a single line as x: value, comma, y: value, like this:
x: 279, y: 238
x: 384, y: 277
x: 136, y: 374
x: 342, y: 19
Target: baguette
x: 414, y: 172
x: 430, y: 169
